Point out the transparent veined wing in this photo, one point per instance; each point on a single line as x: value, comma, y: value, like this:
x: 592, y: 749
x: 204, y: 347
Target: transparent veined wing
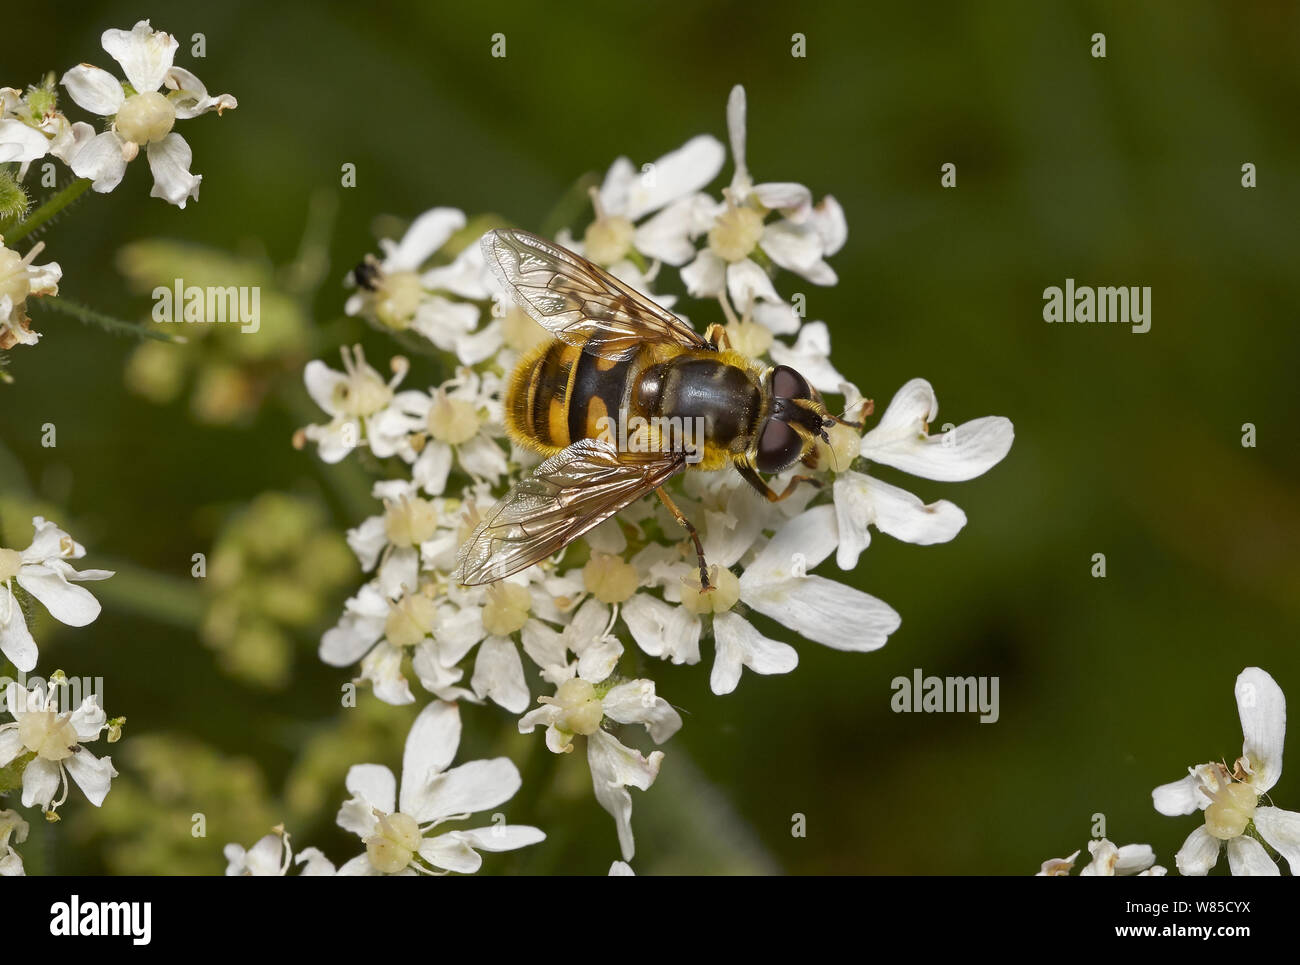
x: 567, y: 495
x: 578, y: 302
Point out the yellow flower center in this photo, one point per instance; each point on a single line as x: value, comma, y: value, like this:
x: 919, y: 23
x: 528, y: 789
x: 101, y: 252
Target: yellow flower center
x: 608, y: 239
x: 14, y: 279
x: 393, y: 845
x: 10, y: 563
x: 582, y: 709
x: 1233, y: 807
x: 50, y: 735
x: 735, y: 233
x: 363, y: 394
x: 844, y: 447
x: 721, y: 597
x: 609, y: 579
x: 410, y: 620
x: 453, y: 421
x: 397, y: 298
x: 506, y: 609
x: 410, y: 522
x: 750, y: 338
x: 145, y: 118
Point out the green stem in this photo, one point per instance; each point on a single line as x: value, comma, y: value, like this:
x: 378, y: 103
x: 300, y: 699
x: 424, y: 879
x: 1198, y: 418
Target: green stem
x: 48, y: 210
x: 114, y: 326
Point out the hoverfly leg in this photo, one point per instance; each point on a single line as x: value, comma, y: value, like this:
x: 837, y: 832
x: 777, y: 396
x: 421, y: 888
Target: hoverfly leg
x: 705, y: 585
x: 771, y: 495
x: 717, y: 336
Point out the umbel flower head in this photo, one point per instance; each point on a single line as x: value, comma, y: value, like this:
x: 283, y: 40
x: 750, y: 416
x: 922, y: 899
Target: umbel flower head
x: 1230, y: 798
x: 140, y: 114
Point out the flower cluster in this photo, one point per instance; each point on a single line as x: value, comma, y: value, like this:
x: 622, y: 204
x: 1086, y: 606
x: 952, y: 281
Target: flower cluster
x: 563, y: 626
x: 51, y: 721
x: 140, y: 111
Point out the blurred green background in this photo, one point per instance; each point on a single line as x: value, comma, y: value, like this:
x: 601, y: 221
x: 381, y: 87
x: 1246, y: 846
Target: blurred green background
x: 1122, y: 171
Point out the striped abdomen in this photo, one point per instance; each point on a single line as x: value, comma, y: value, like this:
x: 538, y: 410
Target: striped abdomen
x: 560, y: 394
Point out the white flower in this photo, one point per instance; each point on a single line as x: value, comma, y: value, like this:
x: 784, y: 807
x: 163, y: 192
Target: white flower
x: 42, y: 570
x: 54, y: 740
x: 396, y: 294
x: 12, y: 829
x: 396, y: 826
x: 669, y: 186
x: 1230, y: 799
x: 902, y: 439
x: 621, y: 869
x: 580, y: 708
x: 799, y: 240
x: 778, y: 584
x: 356, y: 400
x: 271, y: 857
x: 458, y: 421
x: 19, y: 280
x: 1107, y: 861
x: 379, y: 632
x: 141, y: 116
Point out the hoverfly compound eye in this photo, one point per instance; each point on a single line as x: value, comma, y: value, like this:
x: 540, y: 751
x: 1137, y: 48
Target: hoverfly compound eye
x: 778, y: 446
x: 789, y: 384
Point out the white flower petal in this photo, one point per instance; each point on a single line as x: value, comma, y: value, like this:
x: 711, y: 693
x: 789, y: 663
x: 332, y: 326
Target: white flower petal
x: 430, y: 747
x: 706, y: 276
x: 101, y: 160
x: 1198, y: 854
x: 810, y: 355
x: 69, y: 604
x: 1246, y: 856
x: 501, y: 837
x: 194, y: 99
x: 451, y: 852
x: 375, y: 783
x: 41, y: 780
x: 429, y: 232
x: 499, y: 675
x: 676, y: 174
x: 94, y: 90
x: 738, y: 643
x: 29, y: 143
x: 1180, y: 797
x: 826, y: 612
x: 92, y: 774
x: 16, y: 641
x: 901, y: 439
x: 635, y: 702
x: 663, y: 630
x: 614, y: 768
x: 144, y: 53
x: 861, y: 501
x: 1281, y: 829
x: 747, y: 283
x: 1263, y: 722
x: 169, y: 160
x: 467, y: 789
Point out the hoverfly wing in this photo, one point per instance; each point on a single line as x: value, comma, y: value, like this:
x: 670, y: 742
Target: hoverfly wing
x: 567, y: 495
x: 576, y: 301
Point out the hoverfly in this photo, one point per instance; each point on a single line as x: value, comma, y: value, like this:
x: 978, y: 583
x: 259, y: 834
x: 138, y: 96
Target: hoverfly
x: 618, y: 356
